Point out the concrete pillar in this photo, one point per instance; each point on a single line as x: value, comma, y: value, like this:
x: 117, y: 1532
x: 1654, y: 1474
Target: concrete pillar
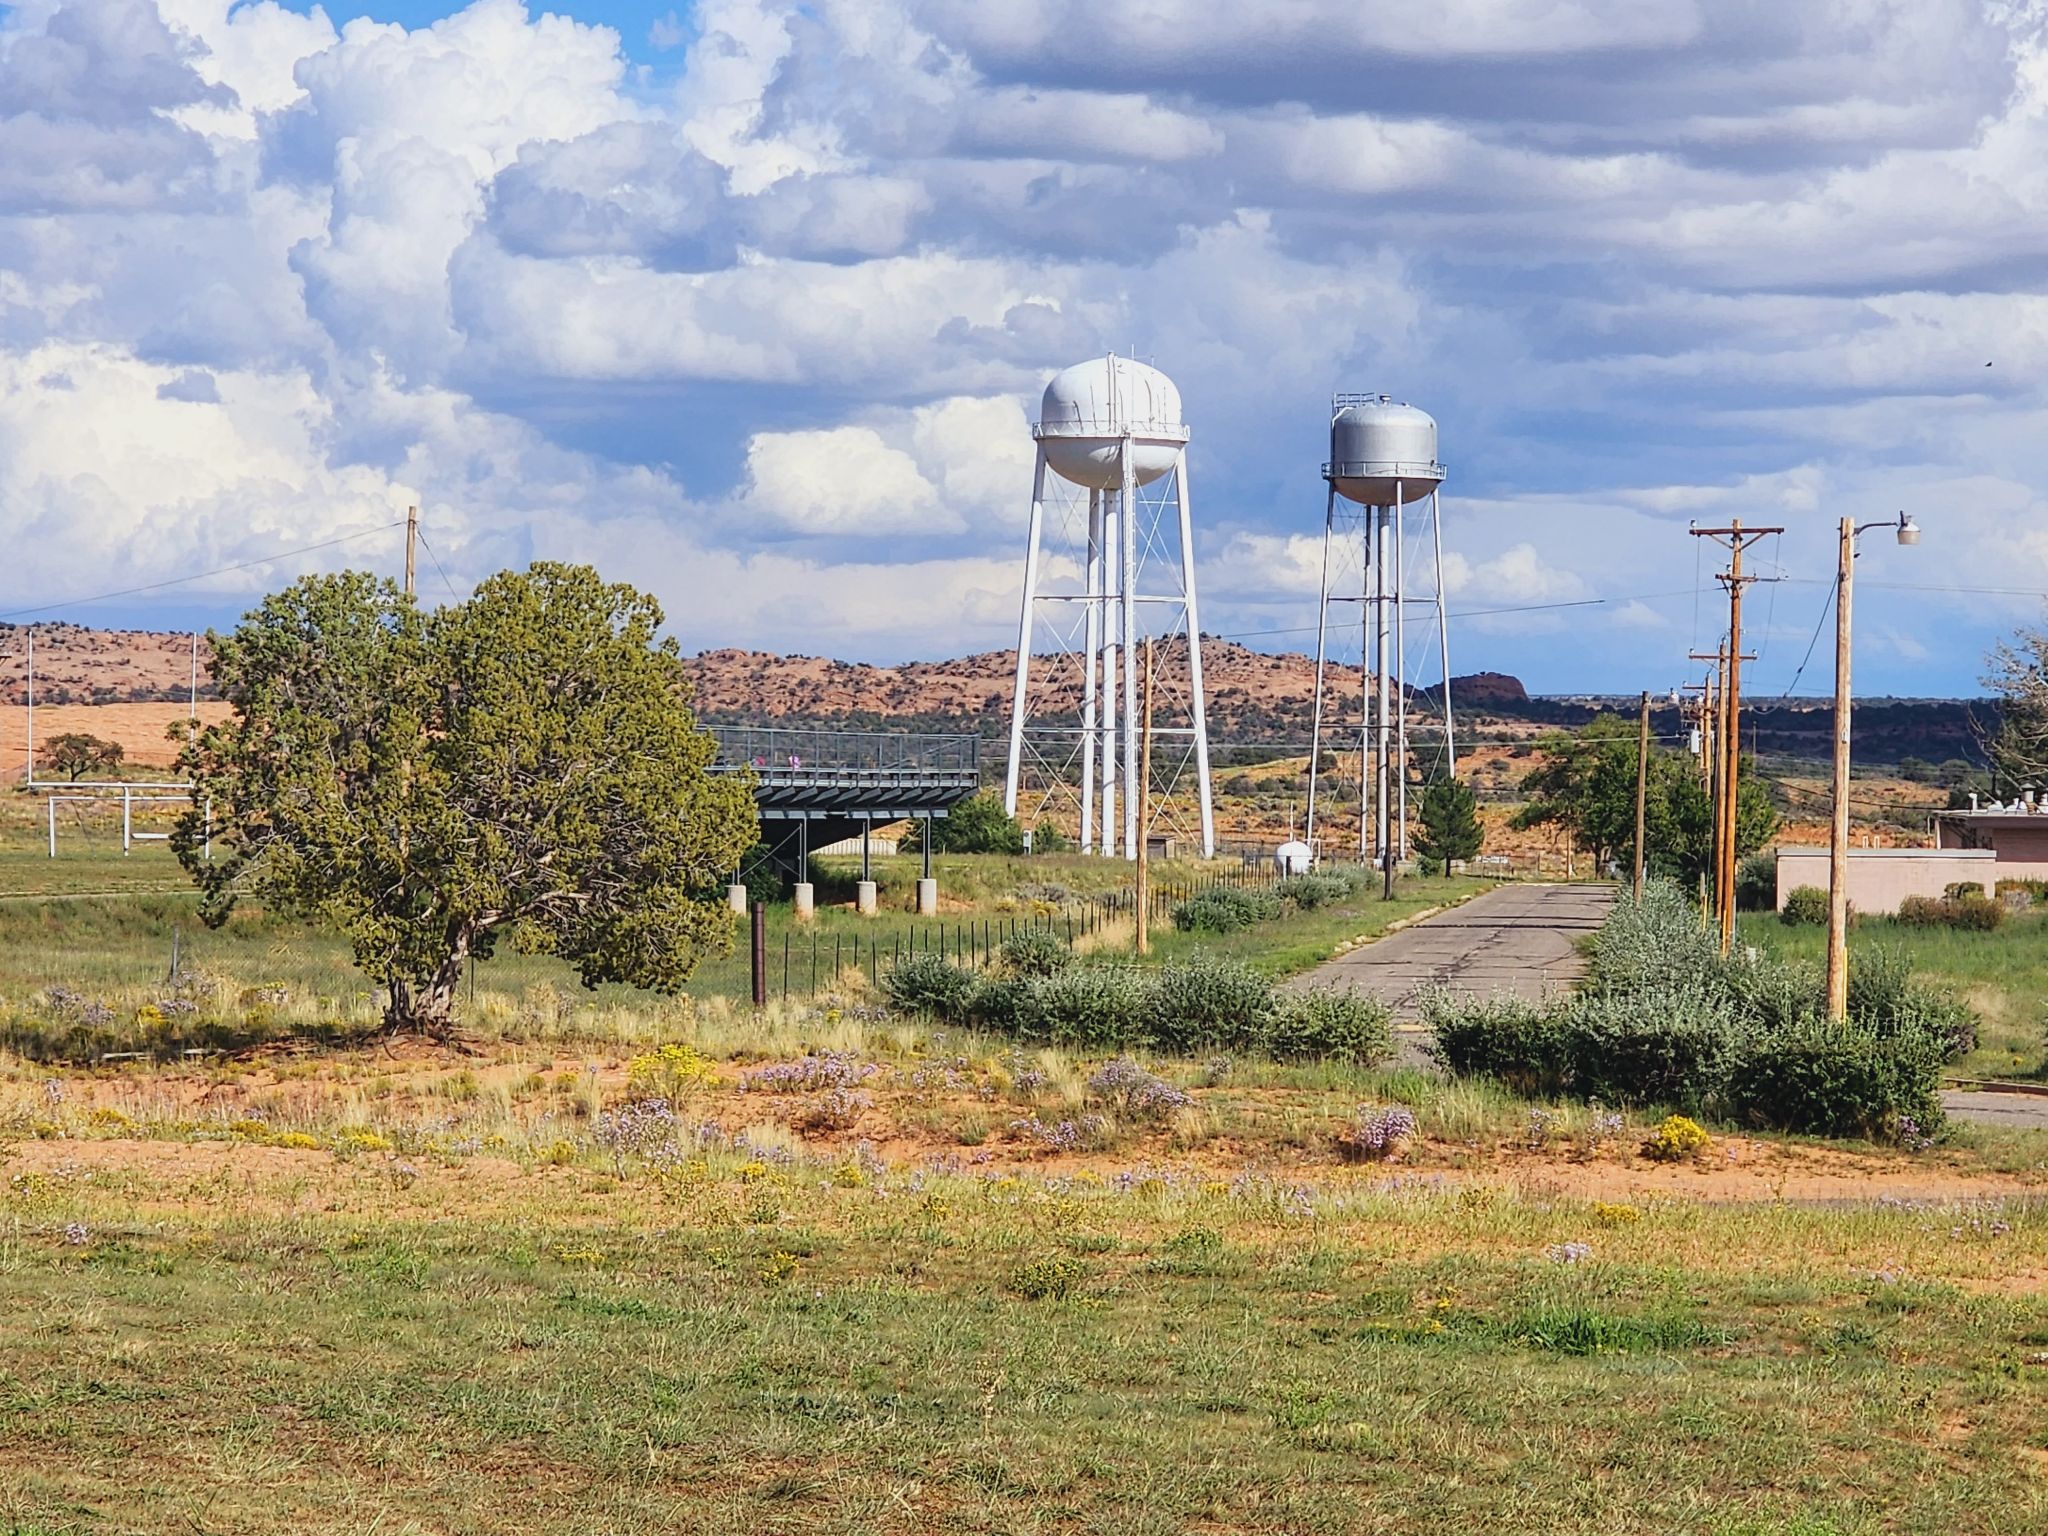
x: 927, y: 898
x: 864, y: 898
x: 736, y: 898
x: 806, y: 900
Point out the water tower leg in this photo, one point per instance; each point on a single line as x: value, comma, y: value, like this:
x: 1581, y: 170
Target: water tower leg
x: 1024, y: 634
x: 1129, y: 534
x: 1315, y: 730
x: 1443, y: 633
x: 1198, y: 701
x: 1383, y: 719
x: 1400, y: 679
x: 1091, y: 650
x: 1112, y: 519
x: 1365, y: 605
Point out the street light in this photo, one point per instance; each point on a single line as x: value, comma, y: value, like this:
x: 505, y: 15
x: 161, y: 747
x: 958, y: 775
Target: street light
x: 1908, y: 533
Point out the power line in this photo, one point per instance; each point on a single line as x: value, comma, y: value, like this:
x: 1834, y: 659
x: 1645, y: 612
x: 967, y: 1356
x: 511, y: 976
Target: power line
x: 179, y: 581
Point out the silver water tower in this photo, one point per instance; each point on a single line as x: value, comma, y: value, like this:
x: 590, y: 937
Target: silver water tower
x: 1382, y: 462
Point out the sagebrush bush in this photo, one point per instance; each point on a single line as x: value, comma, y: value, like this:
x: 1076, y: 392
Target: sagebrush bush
x: 1311, y: 891
x: 1225, y: 910
x: 1087, y: 1007
x: 929, y: 984
x: 1522, y: 1044
x: 1838, y: 1080
x: 1664, y: 1020
x: 1210, y: 1005
x: 1756, y: 881
x: 1328, y: 1024
x: 1662, y: 1045
x: 1805, y: 906
x: 1034, y: 952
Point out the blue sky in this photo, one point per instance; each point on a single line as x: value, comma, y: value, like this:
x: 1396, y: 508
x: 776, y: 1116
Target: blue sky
x: 750, y: 303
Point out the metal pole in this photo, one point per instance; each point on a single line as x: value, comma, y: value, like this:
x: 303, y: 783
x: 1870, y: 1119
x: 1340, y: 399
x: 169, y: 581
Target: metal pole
x: 31, y: 704
x: 1024, y: 633
x: 1642, y: 785
x: 1365, y: 665
x: 1112, y: 521
x: 1129, y: 531
x: 127, y: 820
x: 1144, y: 803
x: 1199, y: 701
x: 412, y: 534
x: 1091, y: 649
x: 51, y: 804
x: 1383, y: 722
x: 1315, y: 732
x: 1401, y: 677
x: 1838, y: 831
x: 192, y: 715
x: 1443, y: 630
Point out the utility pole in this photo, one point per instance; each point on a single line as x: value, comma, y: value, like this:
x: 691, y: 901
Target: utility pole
x: 1736, y: 539
x: 1144, y: 802
x: 412, y: 537
x: 1642, y: 785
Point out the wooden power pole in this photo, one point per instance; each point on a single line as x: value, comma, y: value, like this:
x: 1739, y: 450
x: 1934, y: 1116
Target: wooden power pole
x: 1642, y: 786
x: 412, y: 538
x: 1144, y: 884
x: 1737, y: 539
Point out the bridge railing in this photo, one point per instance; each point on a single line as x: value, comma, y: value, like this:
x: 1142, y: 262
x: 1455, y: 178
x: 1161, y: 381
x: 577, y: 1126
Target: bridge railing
x: 783, y: 750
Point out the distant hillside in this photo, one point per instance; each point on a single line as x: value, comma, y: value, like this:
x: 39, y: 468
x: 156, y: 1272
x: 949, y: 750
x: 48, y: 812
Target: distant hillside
x: 1254, y: 696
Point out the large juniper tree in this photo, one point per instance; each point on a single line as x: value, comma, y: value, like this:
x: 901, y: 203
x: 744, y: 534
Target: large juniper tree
x: 523, y: 766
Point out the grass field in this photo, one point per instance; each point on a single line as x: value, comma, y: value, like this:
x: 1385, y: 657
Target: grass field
x: 421, y: 1293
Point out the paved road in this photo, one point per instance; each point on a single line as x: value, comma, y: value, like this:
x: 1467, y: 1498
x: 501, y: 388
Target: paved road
x: 2016, y: 1111
x: 1519, y: 939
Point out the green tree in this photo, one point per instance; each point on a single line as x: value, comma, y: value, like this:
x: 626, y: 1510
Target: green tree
x: 73, y: 753
x: 1586, y: 784
x: 521, y: 767
x: 1450, y: 823
x: 976, y: 825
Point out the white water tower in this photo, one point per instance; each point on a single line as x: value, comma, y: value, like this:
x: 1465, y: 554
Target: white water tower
x: 1382, y: 462
x: 1110, y: 432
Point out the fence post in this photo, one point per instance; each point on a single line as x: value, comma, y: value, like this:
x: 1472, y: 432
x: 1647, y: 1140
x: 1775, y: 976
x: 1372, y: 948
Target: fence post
x: 758, y: 951
x: 785, y: 967
x: 814, y: 965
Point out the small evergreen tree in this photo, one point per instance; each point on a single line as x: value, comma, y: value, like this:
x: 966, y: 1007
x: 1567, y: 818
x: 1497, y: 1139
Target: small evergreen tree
x: 1450, y: 823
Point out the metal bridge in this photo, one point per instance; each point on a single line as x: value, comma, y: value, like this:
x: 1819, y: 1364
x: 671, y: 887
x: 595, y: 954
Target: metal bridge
x: 814, y: 787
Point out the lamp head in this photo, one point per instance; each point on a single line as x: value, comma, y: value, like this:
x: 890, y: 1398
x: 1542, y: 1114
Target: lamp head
x: 1909, y: 531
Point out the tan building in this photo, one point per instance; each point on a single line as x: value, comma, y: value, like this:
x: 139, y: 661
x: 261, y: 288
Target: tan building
x: 1980, y: 846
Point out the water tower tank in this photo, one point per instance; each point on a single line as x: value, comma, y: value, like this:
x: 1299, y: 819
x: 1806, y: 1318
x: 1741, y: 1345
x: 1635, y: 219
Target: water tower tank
x: 1380, y: 445
x: 1088, y: 410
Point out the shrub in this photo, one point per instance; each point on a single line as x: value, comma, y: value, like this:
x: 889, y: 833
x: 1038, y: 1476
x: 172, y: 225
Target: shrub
x: 1090, y: 1007
x: 1522, y: 1044
x: 1375, y: 1132
x: 1033, y: 952
x: 1052, y: 1277
x: 1662, y: 1046
x: 1311, y: 891
x: 1838, y: 1080
x: 1327, y: 1023
x: 1806, y: 906
x: 1677, y: 1140
x: 1885, y: 1000
x: 1211, y: 1005
x: 929, y: 984
x: 1969, y: 909
x: 1135, y: 1093
x: 1652, y: 942
x: 1225, y: 910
